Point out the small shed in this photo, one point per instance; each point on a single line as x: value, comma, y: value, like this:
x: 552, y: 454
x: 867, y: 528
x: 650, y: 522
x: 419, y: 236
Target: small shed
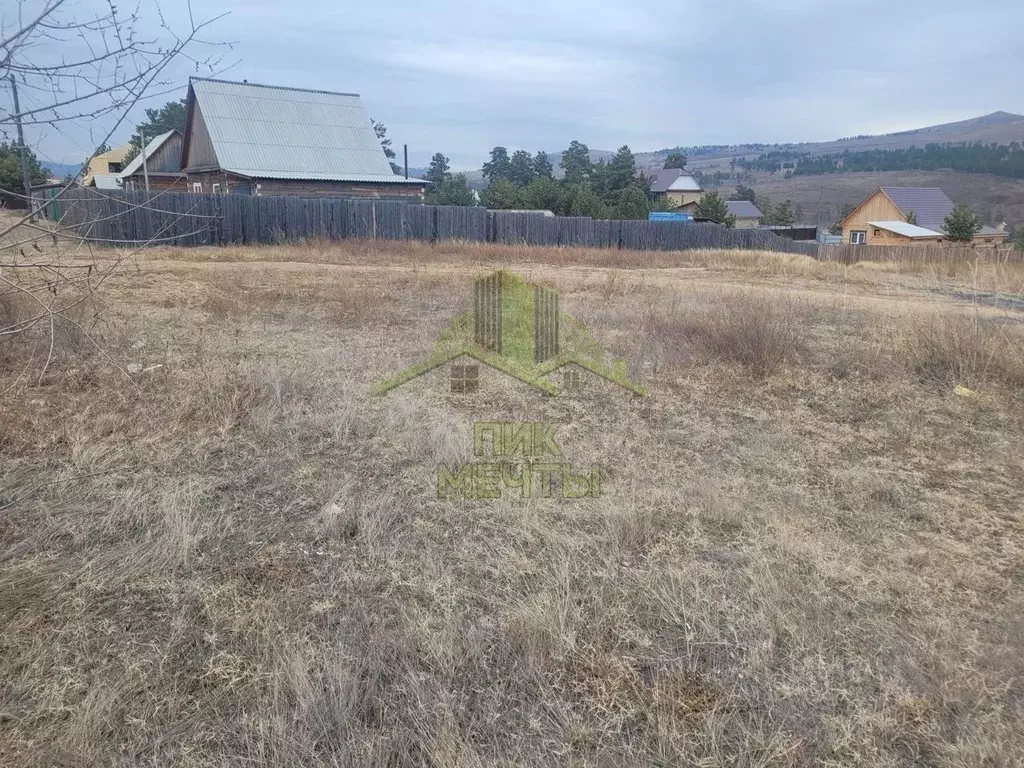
x: 747, y: 214
x: 162, y: 165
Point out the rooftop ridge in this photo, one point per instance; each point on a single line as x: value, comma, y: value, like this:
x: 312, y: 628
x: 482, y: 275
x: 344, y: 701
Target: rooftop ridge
x: 276, y: 87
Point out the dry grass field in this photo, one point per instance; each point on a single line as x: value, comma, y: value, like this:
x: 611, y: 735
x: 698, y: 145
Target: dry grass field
x: 809, y: 547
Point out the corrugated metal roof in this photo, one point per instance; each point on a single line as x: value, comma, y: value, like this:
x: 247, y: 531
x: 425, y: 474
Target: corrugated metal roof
x: 743, y: 209
x: 905, y: 229
x: 993, y: 231
x: 929, y: 204
x: 106, y: 181
x: 151, y: 148
x: 673, y: 180
x: 286, y: 133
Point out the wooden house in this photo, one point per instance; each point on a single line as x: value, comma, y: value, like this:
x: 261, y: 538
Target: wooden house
x: 678, y: 187
x: 162, y: 165
x: 105, y: 164
x: 882, y: 219
x: 242, y: 138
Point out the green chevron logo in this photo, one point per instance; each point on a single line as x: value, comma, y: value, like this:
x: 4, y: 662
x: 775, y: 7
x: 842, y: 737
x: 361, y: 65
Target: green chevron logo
x: 518, y: 329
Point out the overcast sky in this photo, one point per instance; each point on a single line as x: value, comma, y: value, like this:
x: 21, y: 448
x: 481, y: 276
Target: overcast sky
x: 461, y: 77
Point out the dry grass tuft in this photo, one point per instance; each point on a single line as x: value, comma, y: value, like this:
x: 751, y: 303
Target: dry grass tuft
x: 760, y: 333
x: 961, y: 349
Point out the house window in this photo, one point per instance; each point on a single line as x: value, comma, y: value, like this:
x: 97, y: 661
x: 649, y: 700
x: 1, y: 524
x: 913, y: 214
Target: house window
x: 216, y: 189
x: 114, y: 168
x: 878, y: 232
x: 858, y: 237
x: 465, y: 378
x: 197, y: 187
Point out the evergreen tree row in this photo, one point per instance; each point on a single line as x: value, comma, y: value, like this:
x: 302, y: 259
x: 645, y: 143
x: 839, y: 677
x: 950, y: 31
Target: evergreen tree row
x: 997, y: 159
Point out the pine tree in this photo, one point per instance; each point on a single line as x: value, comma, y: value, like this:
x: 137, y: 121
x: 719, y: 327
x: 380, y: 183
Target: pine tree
x: 454, y: 190
x: 521, y: 168
x: 632, y: 203
x: 911, y: 217
x: 11, y: 184
x: 675, y: 160
x: 1018, y: 240
x: 382, y: 133
x: 599, y: 180
x: 541, y: 194
x: 783, y: 215
x: 837, y: 225
x: 576, y: 163
x: 621, y: 173
x: 542, y: 167
x: 169, y: 117
x: 580, y: 200
x: 438, y: 170
x: 745, y: 193
x: 712, y: 206
x: 499, y: 166
x: 962, y: 224
x: 501, y: 194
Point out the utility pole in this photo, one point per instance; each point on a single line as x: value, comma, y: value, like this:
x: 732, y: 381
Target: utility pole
x: 21, y: 146
x: 145, y: 171
x: 405, y: 150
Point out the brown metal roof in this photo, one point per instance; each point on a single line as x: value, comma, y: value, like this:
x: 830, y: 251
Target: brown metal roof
x: 930, y: 204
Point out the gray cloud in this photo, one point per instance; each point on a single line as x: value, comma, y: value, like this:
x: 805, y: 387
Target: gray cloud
x: 461, y: 77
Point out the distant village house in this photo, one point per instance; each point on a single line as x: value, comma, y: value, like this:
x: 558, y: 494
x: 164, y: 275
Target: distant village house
x: 882, y: 219
x: 248, y: 139
x: 162, y: 165
x: 104, y: 169
x: 747, y: 214
x: 678, y: 187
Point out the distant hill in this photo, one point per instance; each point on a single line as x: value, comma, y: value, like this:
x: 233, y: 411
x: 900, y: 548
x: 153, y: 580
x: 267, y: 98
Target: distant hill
x: 998, y: 128
x: 61, y: 170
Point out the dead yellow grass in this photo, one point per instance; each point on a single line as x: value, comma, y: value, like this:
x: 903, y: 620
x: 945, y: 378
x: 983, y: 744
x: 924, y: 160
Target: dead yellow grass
x: 806, y: 552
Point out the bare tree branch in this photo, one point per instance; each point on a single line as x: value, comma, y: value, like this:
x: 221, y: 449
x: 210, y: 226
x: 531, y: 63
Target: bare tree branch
x: 108, y: 61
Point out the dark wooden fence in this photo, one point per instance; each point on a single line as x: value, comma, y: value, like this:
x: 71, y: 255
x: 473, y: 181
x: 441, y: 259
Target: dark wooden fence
x: 129, y: 218
x: 920, y: 254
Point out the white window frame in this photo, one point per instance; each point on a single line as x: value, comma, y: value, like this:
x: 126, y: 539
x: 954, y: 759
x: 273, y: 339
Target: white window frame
x: 858, y: 237
x: 216, y: 189
x: 197, y: 187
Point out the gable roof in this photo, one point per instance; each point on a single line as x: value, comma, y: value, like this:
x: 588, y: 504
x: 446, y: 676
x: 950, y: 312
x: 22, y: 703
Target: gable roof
x: 674, y: 180
x: 930, y: 204
x: 905, y: 229
x: 265, y: 131
x: 97, y: 166
x: 743, y: 209
x: 151, y: 148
